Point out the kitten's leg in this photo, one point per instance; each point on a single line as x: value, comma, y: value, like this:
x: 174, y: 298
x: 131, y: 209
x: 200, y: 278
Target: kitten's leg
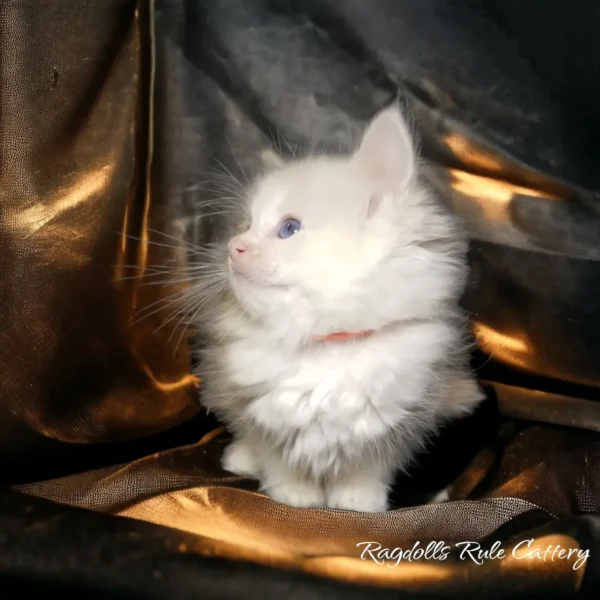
x: 364, y: 489
x: 241, y: 458
x: 287, y: 486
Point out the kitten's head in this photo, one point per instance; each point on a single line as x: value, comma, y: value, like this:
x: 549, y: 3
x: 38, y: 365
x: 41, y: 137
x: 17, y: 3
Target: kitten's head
x: 341, y: 242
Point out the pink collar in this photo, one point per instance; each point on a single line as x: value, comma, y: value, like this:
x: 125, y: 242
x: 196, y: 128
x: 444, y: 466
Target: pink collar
x: 342, y: 336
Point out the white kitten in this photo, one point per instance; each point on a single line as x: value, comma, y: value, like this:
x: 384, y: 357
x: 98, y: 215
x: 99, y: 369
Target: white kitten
x: 337, y: 345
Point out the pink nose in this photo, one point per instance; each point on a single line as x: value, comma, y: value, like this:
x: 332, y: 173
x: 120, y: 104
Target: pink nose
x: 237, y: 247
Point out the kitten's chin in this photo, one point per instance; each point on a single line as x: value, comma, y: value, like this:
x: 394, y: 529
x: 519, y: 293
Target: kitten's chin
x: 238, y: 275
x: 244, y: 279
x: 256, y: 296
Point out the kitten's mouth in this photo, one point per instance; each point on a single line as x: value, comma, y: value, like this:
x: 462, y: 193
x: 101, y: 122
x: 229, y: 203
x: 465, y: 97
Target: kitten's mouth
x: 243, y: 276
x: 239, y: 273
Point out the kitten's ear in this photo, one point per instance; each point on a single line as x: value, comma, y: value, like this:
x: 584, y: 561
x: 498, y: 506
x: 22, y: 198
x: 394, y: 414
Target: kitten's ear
x: 271, y: 160
x: 386, y: 153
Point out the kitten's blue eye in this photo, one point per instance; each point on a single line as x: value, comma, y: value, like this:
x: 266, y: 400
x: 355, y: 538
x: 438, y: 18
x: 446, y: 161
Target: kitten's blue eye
x: 289, y: 227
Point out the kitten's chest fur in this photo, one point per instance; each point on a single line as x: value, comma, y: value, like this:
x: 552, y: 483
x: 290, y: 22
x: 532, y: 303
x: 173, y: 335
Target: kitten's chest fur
x: 324, y: 401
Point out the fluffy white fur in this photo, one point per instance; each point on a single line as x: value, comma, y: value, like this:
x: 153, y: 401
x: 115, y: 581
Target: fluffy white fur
x: 328, y: 423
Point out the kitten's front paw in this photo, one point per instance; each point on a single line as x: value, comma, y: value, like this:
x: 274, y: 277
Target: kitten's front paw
x: 240, y: 459
x: 359, y: 497
x: 442, y: 496
x: 301, y: 494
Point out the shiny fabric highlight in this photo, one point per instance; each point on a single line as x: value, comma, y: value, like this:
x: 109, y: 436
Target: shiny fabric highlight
x: 75, y: 214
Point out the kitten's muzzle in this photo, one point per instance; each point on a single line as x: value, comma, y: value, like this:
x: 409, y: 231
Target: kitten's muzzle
x: 240, y: 258
x: 237, y: 247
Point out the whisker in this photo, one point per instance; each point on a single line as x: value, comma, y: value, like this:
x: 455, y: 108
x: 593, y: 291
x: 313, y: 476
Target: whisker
x: 232, y: 199
x: 193, y: 317
x: 189, y: 279
x: 236, y: 159
x: 138, y: 239
x: 148, y: 276
x: 289, y: 147
x: 185, y: 309
x: 169, y: 282
x: 233, y: 177
x: 171, y: 237
x: 161, y: 305
x: 234, y: 193
x: 202, y: 185
x: 167, y: 301
x: 165, y: 268
x: 195, y: 250
x: 215, y: 213
x: 179, y: 298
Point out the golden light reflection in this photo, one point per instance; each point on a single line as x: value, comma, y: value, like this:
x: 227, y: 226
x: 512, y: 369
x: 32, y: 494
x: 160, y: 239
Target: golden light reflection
x: 478, y: 186
x: 142, y: 259
x: 462, y: 149
x: 211, y: 435
x: 125, y: 228
x: 37, y: 216
x: 143, y: 246
x: 187, y: 380
x: 524, y: 480
x: 410, y: 575
x: 224, y: 533
x: 119, y: 266
x: 227, y: 528
x: 554, y: 552
x: 510, y: 349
